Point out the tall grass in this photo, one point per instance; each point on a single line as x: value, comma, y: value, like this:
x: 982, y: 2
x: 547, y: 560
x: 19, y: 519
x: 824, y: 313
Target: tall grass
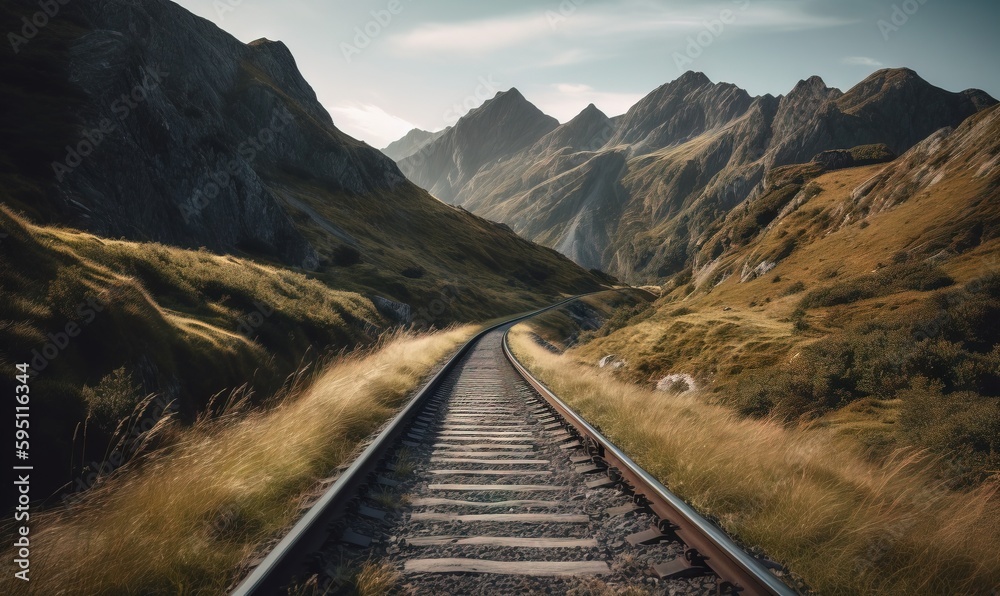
x: 808, y: 498
x: 182, y: 519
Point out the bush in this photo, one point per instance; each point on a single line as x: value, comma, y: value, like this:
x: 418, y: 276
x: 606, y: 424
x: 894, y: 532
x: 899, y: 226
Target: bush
x: 112, y: 400
x: 799, y: 320
x: 961, y: 423
x: 624, y: 317
x: 793, y: 289
x: 893, y: 278
x: 945, y: 370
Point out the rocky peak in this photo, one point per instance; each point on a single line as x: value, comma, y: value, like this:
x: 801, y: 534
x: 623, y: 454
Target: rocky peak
x: 500, y: 127
x: 888, y: 84
x: 587, y: 131
x: 506, y: 106
x: 679, y: 110
x: 813, y: 87
x: 692, y: 78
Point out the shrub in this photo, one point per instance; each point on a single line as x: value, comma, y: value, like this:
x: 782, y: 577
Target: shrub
x: 793, y: 289
x: 112, y: 400
x: 896, y: 277
x: 963, y: 423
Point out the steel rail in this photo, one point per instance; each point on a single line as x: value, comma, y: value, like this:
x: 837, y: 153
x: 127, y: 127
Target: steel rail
x: 311, y: 531
x: 731, y: 563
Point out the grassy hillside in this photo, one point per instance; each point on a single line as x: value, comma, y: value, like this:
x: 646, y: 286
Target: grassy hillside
x: 105, y: 323
x: 875, y: 321
x: 446, y: 263
x: 806, y: 497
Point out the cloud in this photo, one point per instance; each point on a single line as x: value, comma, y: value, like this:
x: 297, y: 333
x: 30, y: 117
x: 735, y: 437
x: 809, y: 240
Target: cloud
x: 861, y: 61
x: 588, y: 23
x: 472, y: 36
x: 369, y: 123
x: 565, y: 58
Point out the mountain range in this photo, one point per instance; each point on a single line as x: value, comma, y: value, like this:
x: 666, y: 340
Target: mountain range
x: 642, y: 194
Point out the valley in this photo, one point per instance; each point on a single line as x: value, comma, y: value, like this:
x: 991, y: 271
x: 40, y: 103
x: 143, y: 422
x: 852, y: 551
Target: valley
x: 737, y: 336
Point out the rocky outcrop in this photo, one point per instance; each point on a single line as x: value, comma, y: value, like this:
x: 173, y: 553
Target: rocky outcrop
x: 865, y: 155
x: 392, y: 310
x: 969, y: 154
x: 612, y: 362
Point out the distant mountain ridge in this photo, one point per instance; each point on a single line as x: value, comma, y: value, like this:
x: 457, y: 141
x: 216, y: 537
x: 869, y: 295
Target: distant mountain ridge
x: 412, y: 142
x: 650, y: 187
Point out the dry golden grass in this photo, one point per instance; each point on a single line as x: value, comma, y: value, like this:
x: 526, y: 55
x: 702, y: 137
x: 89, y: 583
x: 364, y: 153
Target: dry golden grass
x: 375, y: 579
x: 807, y: 497
x: 183, y: 520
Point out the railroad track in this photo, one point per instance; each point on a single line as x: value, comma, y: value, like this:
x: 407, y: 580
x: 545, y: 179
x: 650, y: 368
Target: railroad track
x: 487, y: 483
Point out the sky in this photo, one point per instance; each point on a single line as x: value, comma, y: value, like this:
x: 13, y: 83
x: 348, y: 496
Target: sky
x: 383, y: 67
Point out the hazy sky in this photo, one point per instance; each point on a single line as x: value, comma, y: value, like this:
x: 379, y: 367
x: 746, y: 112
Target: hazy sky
x: 382, y: 67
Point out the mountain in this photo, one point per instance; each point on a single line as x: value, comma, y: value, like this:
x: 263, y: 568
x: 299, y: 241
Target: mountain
x: 214, y: 143
x: 645, y: 196
x: 503, y: 125
x: 179, y: 216
x: 412, y: 142
x: 893, y: 106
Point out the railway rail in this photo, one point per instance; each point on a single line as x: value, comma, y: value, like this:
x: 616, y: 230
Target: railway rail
x: 488, y: 483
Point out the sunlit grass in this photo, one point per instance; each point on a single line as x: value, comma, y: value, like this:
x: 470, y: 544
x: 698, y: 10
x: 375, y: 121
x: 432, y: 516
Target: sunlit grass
x: 184, y: 520
x: 807, y: 497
